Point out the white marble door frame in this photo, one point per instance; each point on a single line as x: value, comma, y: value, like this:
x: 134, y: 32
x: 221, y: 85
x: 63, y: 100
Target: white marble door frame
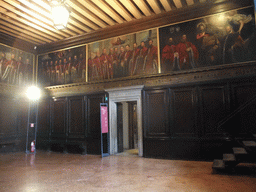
x: 123, y: 94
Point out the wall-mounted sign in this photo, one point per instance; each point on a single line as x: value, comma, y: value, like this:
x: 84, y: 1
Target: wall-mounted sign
x: 104, y: 129
x: 104, y: 119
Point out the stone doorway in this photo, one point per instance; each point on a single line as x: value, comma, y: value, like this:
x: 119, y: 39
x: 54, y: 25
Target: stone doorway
x: 124, y: 94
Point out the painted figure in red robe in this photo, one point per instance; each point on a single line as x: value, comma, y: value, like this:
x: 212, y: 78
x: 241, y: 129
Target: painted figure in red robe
x: 188, y: 53
x: 150, y: 62
x: 112, y: 62
x: 10, y: 70
x: 97, y: 64
x: 3, y: 62
x: 105, y: 61
x: 135, y: 54
x: 141, y: 58
x: 127, y: 58
x: 170, y: 57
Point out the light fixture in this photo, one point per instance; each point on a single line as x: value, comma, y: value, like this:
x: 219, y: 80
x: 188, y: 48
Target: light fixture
x: 33, y: 93
x: 60, y: 13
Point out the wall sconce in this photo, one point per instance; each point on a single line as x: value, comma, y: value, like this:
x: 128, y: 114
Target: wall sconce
x: 60, y: 13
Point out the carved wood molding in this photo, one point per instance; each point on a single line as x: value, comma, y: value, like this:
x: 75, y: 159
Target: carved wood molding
x: 174, y: 78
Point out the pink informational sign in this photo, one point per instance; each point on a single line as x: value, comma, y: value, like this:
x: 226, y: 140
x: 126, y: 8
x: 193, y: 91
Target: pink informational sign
x: 104, y: 119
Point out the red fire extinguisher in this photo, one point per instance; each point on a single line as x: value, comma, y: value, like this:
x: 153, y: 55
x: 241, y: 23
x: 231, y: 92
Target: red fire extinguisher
x: 32, y: 146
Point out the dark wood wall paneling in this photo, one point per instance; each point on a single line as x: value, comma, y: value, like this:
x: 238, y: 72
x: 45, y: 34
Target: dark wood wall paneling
x: 174, y: 16
x: 214, y: 105
x: 183, y: 112
x: 68, y: 122
x: 93, y: 119
x: 181, y: 122
x: 156, y: 113
x: 184, y: 127
x: 43, y: 128
x: 59, y: 119
x: 245, y: 120
x: 76, y: 123
x: 13, y: 124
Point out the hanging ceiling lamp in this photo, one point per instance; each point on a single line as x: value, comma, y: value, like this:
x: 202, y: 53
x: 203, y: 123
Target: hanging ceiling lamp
x: 60, y: 13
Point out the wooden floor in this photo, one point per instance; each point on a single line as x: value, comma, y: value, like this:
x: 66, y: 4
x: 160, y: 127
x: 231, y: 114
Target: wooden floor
x: 51, y: 171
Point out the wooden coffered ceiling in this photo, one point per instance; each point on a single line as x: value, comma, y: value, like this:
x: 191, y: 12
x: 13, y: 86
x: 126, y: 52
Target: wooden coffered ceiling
x: 30, y: 20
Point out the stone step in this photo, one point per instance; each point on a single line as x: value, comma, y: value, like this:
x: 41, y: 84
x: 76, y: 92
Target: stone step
x: 249, y: 143
x: 239, y: 151
x: 218, y: 164
x: 229, y: 157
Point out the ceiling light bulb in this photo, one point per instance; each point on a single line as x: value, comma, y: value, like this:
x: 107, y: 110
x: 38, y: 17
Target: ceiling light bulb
x: 60, y: 15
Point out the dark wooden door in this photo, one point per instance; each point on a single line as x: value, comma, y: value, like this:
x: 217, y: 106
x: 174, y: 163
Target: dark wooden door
x: 133, y: 129
x: 120, y: 127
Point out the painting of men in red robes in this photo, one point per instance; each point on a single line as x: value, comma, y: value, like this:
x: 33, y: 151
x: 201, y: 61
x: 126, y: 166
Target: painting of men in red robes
x: 65, y: 66
x: 15, y: 65
x: 125, y: 56
x: 220, y: 39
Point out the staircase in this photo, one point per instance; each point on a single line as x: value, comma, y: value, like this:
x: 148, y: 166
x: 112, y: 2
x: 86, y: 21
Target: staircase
x: 241, y: 148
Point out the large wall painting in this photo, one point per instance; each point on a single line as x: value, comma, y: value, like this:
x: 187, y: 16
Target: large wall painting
x: 62, y: 67
x: 16, y: 66
x: 220, y: 39
x: 123, y: 56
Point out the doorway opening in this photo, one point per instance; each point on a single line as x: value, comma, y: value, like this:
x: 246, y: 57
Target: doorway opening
x: 127, y: 129
x: 126, y: 96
